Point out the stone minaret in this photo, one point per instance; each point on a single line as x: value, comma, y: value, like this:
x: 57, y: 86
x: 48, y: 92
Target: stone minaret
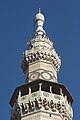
x: 41, y: 97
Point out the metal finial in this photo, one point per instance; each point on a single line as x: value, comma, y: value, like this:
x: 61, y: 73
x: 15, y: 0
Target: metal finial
x: 39, y: 10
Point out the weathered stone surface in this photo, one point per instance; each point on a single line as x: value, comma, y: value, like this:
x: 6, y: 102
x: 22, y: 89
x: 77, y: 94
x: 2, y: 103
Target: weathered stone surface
x: 36, y: 100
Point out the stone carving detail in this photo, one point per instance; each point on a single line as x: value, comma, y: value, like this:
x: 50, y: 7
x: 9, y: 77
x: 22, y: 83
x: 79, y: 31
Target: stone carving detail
x: 43, y: 36
x: 15, y: 112
x: 48, y: 106
x: 41, y: 55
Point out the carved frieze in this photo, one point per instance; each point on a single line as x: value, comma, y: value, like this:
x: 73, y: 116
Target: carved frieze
x: 50, y: 106
x: 43, y: 55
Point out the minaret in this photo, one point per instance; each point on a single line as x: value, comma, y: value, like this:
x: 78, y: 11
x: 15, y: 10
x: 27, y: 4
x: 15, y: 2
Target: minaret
x: 40, y: 60
x: 41, y: 97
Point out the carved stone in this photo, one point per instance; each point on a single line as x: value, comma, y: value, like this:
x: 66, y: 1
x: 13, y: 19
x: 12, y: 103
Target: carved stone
x: 39, y: 103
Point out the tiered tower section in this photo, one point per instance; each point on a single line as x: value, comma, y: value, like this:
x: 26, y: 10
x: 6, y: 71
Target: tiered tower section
x: 41, y: 97
x: 40, y: 60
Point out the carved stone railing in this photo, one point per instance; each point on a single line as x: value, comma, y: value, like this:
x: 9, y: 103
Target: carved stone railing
x: 50, y: 106
x: 15, y: 112
x: 41, y: 104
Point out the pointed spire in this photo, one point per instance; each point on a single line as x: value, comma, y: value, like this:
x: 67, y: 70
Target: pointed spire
x: 39, y: 10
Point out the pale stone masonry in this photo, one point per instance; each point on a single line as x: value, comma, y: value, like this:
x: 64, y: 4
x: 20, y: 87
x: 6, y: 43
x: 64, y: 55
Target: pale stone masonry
x: 41, y: 60
x: 41, y: 97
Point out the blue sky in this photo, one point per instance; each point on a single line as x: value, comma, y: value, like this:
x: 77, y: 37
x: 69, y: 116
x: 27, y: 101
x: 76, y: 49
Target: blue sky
x: 16, y: 29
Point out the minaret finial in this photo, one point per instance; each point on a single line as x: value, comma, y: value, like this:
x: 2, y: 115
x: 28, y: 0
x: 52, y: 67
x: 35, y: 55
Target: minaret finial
x: 39, y: 10
x: 39, y: 20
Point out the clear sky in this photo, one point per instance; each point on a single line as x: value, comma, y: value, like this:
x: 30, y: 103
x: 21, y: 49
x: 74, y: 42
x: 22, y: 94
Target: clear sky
x: 16, y: 29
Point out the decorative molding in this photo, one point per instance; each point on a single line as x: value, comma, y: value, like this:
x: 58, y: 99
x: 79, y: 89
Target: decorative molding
x: 57, y: 97
x: 34, y: 56
x: 45, y: 56
x: 48, y: 106
x: 15, y: 112
x: 46, y: 94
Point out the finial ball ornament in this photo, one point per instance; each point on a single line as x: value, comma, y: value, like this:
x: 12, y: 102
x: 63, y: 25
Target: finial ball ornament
x: 39, y: 18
